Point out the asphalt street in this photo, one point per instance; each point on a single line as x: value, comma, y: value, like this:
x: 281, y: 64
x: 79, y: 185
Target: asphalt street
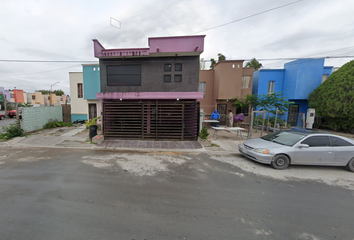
x: 86, y: 194
x: 6, y: 121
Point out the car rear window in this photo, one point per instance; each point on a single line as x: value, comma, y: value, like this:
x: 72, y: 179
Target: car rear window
x: 284, y: 138
x: 338, y: 142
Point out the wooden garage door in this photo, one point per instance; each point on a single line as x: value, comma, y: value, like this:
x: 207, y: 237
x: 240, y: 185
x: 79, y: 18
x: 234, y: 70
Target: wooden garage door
x: 151, y: 120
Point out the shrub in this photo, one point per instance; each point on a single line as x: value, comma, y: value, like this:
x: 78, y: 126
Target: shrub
x: 11, y: 131
x: 204, y: 133
x: 334, y: 99
x: 272, y: 119
x: 91, y: 122
x: 54, y: 123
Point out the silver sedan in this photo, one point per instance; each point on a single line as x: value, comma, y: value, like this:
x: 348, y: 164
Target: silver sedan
x: 300, y: 147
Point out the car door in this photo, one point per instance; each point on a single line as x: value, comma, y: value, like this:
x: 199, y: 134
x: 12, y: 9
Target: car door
x: 343, y: 151
x: 319, y: 151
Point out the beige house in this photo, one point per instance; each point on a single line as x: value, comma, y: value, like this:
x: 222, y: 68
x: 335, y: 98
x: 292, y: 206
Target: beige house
x: 36, y: 98
x: 227, y: 80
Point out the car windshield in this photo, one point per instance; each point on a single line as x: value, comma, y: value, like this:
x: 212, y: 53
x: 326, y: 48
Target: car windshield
x: 284, y: 138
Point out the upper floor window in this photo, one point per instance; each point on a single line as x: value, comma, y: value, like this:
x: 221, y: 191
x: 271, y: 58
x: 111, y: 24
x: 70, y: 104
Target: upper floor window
x: 178, y: 67
x: 12, y: 95
x: 124, y: 75
x: 167, y: 67
x: 324, y: 78
x: 271, y: 87
x: 202, y: 87
x: 167, y: 78
x: 80, y: 93
x: 178, y: 78
x: 33, y: 97
x: 246, y: 81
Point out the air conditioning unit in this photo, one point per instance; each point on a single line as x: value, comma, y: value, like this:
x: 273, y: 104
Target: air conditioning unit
x: 310, y: 118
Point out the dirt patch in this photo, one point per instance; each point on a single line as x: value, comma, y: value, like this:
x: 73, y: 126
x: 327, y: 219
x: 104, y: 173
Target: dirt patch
x: 32, y: 159
x: 140, y: 165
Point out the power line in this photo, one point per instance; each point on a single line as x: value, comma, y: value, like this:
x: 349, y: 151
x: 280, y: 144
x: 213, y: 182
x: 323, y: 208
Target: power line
x: 250, y: 16
x: 286, y: 59
x: 21, y: 74
x: 279, y: 64
x: 47, y: 61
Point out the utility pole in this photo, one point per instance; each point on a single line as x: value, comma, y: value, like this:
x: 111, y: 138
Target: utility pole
x: 5, y: 105
x: 50, y: 94
x: 18, y: 117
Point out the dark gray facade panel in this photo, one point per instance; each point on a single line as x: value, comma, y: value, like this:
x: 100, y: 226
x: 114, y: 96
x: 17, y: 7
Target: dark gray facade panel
x: 152, y: 74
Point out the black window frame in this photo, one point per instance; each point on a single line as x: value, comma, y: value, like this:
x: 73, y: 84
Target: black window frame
x: 316, y: 141
x: 176, y: 68
x: 111, y: 75
x: 167, y: 69
x: 177, y: 75
x: 347, y: 144
x: 164, y: 78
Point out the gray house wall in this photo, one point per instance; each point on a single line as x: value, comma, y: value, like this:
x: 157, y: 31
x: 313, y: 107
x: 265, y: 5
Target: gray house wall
x: 152, y: 74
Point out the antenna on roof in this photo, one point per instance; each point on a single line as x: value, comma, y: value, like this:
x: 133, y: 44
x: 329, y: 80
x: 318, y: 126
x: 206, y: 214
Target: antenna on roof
x: 115, y: 23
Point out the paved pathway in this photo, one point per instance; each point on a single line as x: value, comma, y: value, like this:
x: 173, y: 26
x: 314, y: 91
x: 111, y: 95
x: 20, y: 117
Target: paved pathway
x: 75, y: 137
x: 151, y: 144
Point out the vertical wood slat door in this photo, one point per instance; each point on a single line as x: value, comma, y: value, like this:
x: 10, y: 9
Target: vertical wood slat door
x: 151, y: 120
x: 122, y: 120
x: 163, y: 121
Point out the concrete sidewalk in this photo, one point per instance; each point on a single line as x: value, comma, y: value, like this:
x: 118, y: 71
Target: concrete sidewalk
x: 78, y: 138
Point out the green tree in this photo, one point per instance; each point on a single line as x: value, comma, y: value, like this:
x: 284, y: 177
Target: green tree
x: 221, y: 57
x: 266, y: 102
x: 213, y: 62
x: 56, y: 92
x: 334, y: 99
x: 254, y: 63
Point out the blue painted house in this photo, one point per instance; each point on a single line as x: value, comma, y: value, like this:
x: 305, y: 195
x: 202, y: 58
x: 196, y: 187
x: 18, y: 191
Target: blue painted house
x: 296, y: 81
x: 83, y: 88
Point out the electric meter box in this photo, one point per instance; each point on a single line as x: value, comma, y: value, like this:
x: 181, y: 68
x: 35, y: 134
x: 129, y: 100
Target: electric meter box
x: 310, y: 118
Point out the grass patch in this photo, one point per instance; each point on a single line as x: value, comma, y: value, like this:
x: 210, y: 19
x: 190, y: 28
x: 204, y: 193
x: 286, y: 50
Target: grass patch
x: 11, y: 131
x: 214, y: 145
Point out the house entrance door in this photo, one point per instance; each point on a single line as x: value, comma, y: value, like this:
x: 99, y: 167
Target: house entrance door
x: 92, y: 110
x: 222, y: 112
x: 293, y: 115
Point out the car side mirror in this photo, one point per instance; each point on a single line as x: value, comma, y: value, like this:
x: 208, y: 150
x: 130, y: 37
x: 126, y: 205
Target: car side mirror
x: 303, y: 145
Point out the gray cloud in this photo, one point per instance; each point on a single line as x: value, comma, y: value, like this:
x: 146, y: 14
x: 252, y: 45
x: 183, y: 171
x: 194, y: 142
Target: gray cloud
x: 63, y: 30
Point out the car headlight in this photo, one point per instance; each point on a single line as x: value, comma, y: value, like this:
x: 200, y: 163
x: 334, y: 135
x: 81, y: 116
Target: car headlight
x: 262, y: 150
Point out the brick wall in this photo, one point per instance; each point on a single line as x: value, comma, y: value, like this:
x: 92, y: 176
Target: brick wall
x: 33, y: 118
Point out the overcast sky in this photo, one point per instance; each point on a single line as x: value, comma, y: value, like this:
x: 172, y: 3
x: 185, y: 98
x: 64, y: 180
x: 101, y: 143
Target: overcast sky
x: 63, y: 30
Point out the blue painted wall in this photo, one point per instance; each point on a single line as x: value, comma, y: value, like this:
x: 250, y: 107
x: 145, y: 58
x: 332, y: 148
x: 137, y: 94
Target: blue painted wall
x: 91, y: 75
x: 263, y: 77
x: 75, y: 117
x: 296, y: 81
x: 255, y: 82
x: 302, y: 77
x: 327, y: 70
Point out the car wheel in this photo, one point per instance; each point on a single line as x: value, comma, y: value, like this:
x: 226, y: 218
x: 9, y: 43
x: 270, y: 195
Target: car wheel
x: 11, y: 116
x: 280, y: 162
x: 350, y: 165
x: 2, y: 118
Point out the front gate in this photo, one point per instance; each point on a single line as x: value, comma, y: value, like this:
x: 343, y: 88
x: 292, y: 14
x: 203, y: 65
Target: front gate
x: 293, y: 114
x: 151, y: 120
